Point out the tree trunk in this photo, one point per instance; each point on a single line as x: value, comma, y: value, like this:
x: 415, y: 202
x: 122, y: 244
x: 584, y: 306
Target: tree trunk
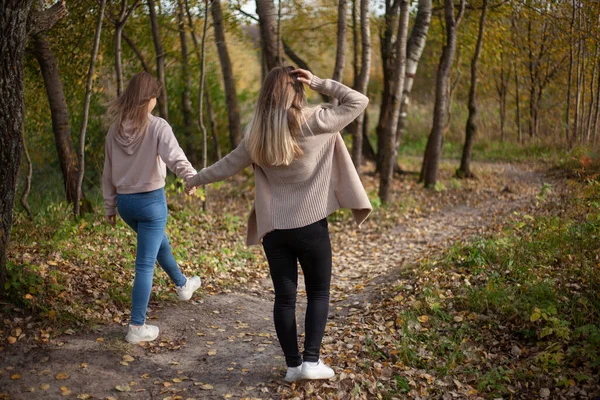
x: 578, y: 88
x: 597, y: 113
x: 518, y: 104
x: 593, y: 99
x: 464, y: 171
x: 201, y: 97
x: 233, y: 111
x: 267, y: 19
x: 119, y: 23
x: 186, y: 101
x: 13, y: 37
x: 78, y: 210
x: 570, y: 78
x: 213, y: 126
x: 414, y: 50
x: 163, y: 108
x: 502, y: 90
x: 431, y: 160
x: 388, y: 148
x: 340, y: 52
x: 355, y: 61
x: 367, y: 150
x: 67, y: 155
x: 363, y: 81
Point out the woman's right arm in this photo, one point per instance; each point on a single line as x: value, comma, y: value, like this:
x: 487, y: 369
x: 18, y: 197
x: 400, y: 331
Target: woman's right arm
x: 228, y: 166
x: 333, y: 119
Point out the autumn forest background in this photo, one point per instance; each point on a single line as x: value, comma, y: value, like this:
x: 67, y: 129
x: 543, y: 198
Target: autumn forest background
x: 477, y: 275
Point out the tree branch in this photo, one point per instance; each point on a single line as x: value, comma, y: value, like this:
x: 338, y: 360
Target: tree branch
x: 239, y: 9
x: 299, y: 61
x: 44, y: 20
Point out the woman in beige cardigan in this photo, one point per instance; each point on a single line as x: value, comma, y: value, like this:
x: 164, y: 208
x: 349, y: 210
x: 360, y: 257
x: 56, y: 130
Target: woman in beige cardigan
x: 303, y: 173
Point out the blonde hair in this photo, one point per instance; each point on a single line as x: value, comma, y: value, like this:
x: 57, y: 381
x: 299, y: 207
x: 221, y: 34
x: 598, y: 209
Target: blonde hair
x: 132, y: 105
x: 272, y: 138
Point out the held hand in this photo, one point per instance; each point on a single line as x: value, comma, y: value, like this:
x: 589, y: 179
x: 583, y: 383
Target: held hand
x: 303, y: 75
x: 190, y: 190
x: 111, y: 220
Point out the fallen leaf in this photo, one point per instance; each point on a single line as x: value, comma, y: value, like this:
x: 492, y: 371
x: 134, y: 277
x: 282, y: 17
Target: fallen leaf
x: 127, y: 358
x: 61, y: 376
x: 15, y: 377
x: 44, y: 386
x: 84, y: 396
x: 208, y: 386
x: 212, y: 352
x: 423, y: 318
x: 12, y: 339
x: 123, y: 388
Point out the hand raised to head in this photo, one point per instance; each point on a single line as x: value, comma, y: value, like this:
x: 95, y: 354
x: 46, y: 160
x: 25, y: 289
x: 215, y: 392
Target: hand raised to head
x: 303, y: 75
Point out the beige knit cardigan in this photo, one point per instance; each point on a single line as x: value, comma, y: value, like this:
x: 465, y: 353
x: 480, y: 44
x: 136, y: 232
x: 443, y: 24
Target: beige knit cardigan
x: 311, y: 187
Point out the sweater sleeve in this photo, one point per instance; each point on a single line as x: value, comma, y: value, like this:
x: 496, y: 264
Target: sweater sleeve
x: 334, y: 119
x: 229, y: 165
x: 172, y: 154
x: 109, y: 191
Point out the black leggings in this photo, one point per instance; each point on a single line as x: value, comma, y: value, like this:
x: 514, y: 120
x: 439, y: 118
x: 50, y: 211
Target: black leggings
x: 284, y: 248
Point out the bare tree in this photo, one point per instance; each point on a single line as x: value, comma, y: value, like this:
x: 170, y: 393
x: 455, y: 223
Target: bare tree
x: 267, y: 20
x: 233, y: 110
x: 186, y: 101
x: 464, y: 171
x: 16, y: 26
x: 388, y: 148
x: 431, y: 159
x: 363, y: 81
x: 119, y: 23
x: 340, y: 52
x: 201, y: 97
x: 163, y: 107
x: 86, y: 108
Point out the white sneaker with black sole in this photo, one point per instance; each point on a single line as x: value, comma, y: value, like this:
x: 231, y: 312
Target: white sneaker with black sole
x: 144, y: 333
x: 316, y: 370
x: 186, y: 291
x: 293, y: 374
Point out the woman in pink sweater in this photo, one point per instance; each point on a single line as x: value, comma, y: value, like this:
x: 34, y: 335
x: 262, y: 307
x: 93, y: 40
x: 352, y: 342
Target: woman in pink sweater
x: 138, y: 149
x: 303, y: 173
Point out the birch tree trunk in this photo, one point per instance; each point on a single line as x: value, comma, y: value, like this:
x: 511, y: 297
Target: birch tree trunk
x: 464, y: 171
x: 233, y: 110
x: 186, y: 101
x: 414, y: 50
x: 163, y: 107
x: 388, y: 148
x: 86, y: 109
x: 431, y: 160
x: 119, y: 23
x: 363, y: 81
x: 340, y: 53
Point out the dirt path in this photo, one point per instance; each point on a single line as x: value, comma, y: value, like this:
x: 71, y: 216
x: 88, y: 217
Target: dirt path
x: 224, y: 346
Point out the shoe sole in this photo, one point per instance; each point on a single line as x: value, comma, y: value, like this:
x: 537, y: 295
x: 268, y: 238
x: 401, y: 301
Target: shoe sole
x: 134, y: 341
x: 315, y: 377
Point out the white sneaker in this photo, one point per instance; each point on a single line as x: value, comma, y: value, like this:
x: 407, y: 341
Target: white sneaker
x: 144, y: 333
x: 185, y: 292
x: 293, y: 374
x: 316, y: 370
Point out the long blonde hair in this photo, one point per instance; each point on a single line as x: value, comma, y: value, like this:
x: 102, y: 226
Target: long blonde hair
x: 272, y: 138
x: 132, y: 105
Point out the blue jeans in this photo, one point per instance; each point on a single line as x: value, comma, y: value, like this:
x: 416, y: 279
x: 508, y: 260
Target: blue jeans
x: 146, y: 214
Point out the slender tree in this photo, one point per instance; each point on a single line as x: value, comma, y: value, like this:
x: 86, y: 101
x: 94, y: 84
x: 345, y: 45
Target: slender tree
x: 464, y: 171
x: 61, y: 125
x: 137, y: 52
x: 233, y: 110
x: 86, y: 108
x: 186, y: 101
x: 363, y: 81
x: 17, y: 21
x: 119, y: 23
x: 163, y: 107
x: 502, y: 91
x: 388, y: 147
x: 518, y: 105
x: 201, y: 97
x: 431, y: 160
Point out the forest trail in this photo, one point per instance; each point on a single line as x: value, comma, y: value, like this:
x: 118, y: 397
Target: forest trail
x: 224, y: 346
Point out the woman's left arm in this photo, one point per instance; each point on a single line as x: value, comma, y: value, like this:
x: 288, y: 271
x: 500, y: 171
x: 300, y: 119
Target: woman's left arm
x: 172, y: 154
x: 228, y: 166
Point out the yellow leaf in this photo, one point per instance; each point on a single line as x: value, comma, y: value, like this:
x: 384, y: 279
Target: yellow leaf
x: 423, y: 318
x: 127, y: 358
x: 28, y: 296
x: 12, y: 339
x: 83, y: 365
x: 66, y: 393
x: 208, y: 386
x: 176, y: 380
x: 535, y: 316
x: 45, y: 386
x: 84, y: 396
x: 61, y: 376
x: 212, y: 352
x: 15, y: 377
x: 123, y: 388
x: 63, y: 388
